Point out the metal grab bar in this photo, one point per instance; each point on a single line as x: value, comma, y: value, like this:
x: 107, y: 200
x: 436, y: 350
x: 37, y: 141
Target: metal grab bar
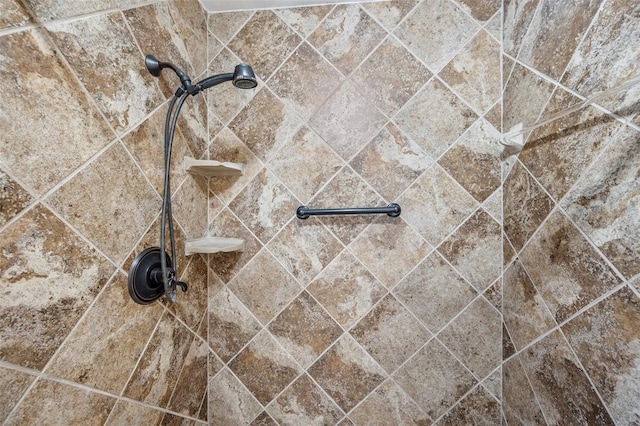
x: 392, y: 210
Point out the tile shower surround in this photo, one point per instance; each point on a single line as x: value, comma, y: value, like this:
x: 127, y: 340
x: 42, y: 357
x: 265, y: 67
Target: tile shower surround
x: 446, y: 315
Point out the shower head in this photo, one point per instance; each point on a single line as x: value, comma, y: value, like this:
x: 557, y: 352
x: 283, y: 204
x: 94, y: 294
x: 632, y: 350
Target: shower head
x: 244, y: 77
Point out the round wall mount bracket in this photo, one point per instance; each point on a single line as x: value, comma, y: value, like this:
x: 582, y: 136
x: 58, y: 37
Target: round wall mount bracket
x: 145, y: 276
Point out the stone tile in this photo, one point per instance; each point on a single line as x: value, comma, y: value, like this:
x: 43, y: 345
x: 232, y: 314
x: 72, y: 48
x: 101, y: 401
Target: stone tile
x: 230, y: 403
x: 305, y: 164
x: 304, y: 403
x: 304, y: 329
x: 192, y: 384
x: 561, y: 386
x: 191, y: 22
x: 305, y: 81
x: 507, y: 345
x: 435, y: 118
x: 14, y: 198
x: 478, y: 407
x: 127, y: 413
x: 264, y: 286
x: 474, y: 337
x: 193, y: 303
x: 474, y: 73
x: 122, y: 88
x: 434, y: 379
x: 482, y: 10
x: 346, y: 289
x: 13, y: 14
x: 47, y: 10
x: 49, y: 278
x: 127, y: 203
x: 14, y: 384
x: 347, y: 121
x: 557, y: 153
x: 389, y: 404
x: 526, y: 206
x: 507, y: 251
x: 265, y: 125
x: 159, y: 367
x: 390, y: 333
x: 493, y: 384
x: 435, y: 30
x: 346, y: 36
x: 265, y: 205
x: 255, y: 45
x: 333, y: 195
x: 474, y: 250
x: 70, y: 128
x: 190, y: 206
x: 434, y: 292
x: 525, y: 312
x: 225, y: 25
x: 435, y: 205
x: 390, y: 238
x: 194, y: 126
x: 494, y: 115
x: 263, y: 420
x: 114, y: 332
x: 519, y: 404
x: 517, y: 17
x: 214, y: 45
x: 231, y: 325
x: 391, y: 162
x: 304, y: 19
x: 390, y: 13
x: 227, y: 147
x: 390, y: 76
x: 602, y: 199
x: 72, y: 405
x: 605, y: 338
x: 264, y: 367
x: 305, y: 247
x: 493, y: 205
x: 474, y: 161
x: 565, y: 269
x: 493, y: 294
x: 347, y: 373
x: 494, y: 26
x: 557, y: 23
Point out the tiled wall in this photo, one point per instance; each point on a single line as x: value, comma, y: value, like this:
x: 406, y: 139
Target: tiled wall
x: 80, y: 171
x: 571, y: 300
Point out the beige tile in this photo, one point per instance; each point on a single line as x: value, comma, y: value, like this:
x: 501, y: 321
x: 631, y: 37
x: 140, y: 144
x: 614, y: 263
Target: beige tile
x: 304, y: 329
x: 346, y: 289
x: 390, y: 238
x: 255, y: 45
x: 519, y: 404
x: 390, y: 76
x: 435, y: 118
x: 231, y: 325
x: 264, y: 367
x: 14, y: 198
x: 390, y: 13
x: 263, y: 419
x: 390, y: 333
x: 14, y: 384
x: 190, y: 205
x: 13, y: 14
x: 214, y: 46
x: 557, y: 23
x: 435, y: 30
x: 225, y: 25
x: 391, y: 162
x: 474, y: 73
x: 305, y: 247
x: 192, y: 122
x: 191, y: 22
x: 434, y: 379
x: 49, y: 278
x: 507, y: 345
x: 474, y: 337
x: 46, y: 10
x: 493, y: 384
x: 494, y: 115
x: 508, y: 254
x: 389, y: 404
x: 605, y: 339
x: 305, y: 81
x: 304, y: 19
x: 347, y: 373
x: 114, y: 332
x: 565, y: 269
x: 493, y: 205
x: 192, y: 384
x: 602, y: 199
x: 346, y: 36
x: 347, y: 121
x: 265, y: 205
x: 192, y: 304
x: 474, y: 161
x: 127, y: 204
x: 304, y: 403
x: 305, y: 164
x: 478, y: 407
x: 517, y: 17
x: 525, y: 312
x: 435, y: 205
x: 70, y: 128
x: 72, y: 406
x: 127, y: 413
x: 264, y: 286
x: 561, y: 386
x: 230, y: 403
x: 493, y: 294
x: 434, y: 292
x: 482, y: 10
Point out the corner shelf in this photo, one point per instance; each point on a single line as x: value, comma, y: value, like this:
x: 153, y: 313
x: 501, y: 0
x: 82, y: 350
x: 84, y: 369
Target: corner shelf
x: 213, y: 245
x: 212, y: 168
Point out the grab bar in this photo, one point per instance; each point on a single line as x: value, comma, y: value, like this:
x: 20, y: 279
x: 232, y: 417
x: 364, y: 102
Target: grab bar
x: 392, y: 210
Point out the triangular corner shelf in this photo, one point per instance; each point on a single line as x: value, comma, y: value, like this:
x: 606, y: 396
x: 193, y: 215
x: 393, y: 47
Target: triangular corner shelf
x: 213, y: 245
x: 211, y: 168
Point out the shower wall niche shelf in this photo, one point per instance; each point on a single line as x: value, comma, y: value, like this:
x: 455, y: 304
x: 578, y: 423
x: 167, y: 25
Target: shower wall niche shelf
x: 212, y: 168
x: 211, y: 245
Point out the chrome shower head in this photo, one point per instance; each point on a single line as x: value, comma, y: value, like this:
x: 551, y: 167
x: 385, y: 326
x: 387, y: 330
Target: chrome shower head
x: 244, y: 77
